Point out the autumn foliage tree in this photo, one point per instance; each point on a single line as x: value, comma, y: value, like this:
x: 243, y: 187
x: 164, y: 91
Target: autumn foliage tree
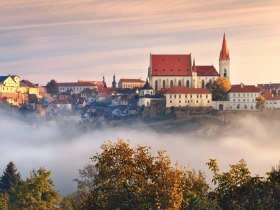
x: 132, y: 178
x: 260, y: 102
x: 219, y: 88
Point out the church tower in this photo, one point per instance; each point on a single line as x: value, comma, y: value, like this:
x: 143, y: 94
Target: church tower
x: 224, y: 61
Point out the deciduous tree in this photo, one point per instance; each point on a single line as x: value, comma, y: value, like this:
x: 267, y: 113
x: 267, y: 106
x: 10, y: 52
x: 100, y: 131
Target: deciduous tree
x: 219, y: 88
x: 260, y: 102
x: 52, y: 87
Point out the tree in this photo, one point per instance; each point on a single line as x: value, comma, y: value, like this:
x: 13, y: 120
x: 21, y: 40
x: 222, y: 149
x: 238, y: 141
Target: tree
x: 4, y: 201
x: 131, y: 178
x: 237, y: 189
x: 36, y: 192
x: 219, y: 88
x: 52, y: 87
x: 10, y: 178
x: 260, y: 102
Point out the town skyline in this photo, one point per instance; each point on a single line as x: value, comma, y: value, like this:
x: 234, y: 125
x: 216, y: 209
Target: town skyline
x: 73, y: 40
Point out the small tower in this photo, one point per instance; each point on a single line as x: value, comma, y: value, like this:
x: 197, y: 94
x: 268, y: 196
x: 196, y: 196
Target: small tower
x: 194, y: 75
x: 224, y: 61
x: 104, y: 82
x: 114, y: 84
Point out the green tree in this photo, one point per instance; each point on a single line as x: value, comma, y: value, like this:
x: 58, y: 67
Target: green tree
x: 219, y: 88
x: 36, y: 192
x: 52, y: 87
x: 10, y: 178
x: 260, y: 102
x: 237, y: 189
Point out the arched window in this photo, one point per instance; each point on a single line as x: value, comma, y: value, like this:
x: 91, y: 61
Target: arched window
x: 163, y: 83
x: 203, y: 84
x: 179, y: 83
x: 225, y: 72
x: 210, y: 82
x: 188, y: 83
x: 156, y: 85
x: 171, y: 83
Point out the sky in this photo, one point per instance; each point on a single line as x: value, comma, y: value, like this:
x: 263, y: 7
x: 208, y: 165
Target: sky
x: 68, y: 40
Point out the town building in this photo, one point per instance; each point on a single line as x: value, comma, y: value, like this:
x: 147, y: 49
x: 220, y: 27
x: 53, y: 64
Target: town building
x: 145, y: 95
x: 78, y: 87
x: 131, y: 83
x: 272, y: 101
x: 176, y: 70
x: 273, y: 88
x: 188, y: 97
x: 243, y: 97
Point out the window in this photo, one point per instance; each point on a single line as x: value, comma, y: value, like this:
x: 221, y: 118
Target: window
x: 156, y: 85
x: 202, y: 84
x: 179, y: 96
x: 180, y: 83
x: 175, y: 96
x: 163, y: 83
x: 225, y: 72
x: 171, y: 101
x: 188, y: 83
x: 171, y: 83
x: 179, y: 101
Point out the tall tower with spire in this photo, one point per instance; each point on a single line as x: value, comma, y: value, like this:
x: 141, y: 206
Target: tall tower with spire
x: 224, y: 61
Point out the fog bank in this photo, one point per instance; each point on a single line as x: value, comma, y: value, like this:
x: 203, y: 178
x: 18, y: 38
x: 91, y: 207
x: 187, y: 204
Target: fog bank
x: 64, y: 150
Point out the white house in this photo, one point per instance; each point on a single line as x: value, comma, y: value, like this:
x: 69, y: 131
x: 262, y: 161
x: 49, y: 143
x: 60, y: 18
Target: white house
x: 243, y: 97
x: 145, y: 95
x: 188, y: 97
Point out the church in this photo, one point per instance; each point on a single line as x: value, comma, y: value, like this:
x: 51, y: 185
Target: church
x: 180, y: 70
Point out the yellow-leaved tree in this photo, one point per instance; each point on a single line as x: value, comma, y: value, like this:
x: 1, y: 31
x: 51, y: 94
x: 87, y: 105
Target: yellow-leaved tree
x: 219, y: 88
x: 132, y: 178
x: 260, y: 102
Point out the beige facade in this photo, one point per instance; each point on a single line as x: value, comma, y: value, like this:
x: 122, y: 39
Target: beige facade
x: 243, y: 101
x: 131, y: 83
x: 188, y: 100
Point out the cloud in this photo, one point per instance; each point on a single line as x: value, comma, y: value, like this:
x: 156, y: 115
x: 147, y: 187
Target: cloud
x: 35, y: 34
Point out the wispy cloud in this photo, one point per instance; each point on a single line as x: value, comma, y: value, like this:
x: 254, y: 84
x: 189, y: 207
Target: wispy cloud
x: 41, y: 38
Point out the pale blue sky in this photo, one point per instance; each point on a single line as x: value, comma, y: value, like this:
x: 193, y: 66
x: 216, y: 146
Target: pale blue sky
x: 84, y: 39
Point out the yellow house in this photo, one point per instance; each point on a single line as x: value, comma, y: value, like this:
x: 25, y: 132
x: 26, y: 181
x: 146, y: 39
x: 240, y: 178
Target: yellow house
x: 27, y: 87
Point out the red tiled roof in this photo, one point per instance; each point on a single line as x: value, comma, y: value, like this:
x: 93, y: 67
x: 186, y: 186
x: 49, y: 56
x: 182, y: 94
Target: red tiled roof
x: 269, y: 96
x: 206, y: 71
x: 170, y: 65
x: 186, y: 90
x: 132, y: 80
x: 224, y: 54
x: 244, y: 89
